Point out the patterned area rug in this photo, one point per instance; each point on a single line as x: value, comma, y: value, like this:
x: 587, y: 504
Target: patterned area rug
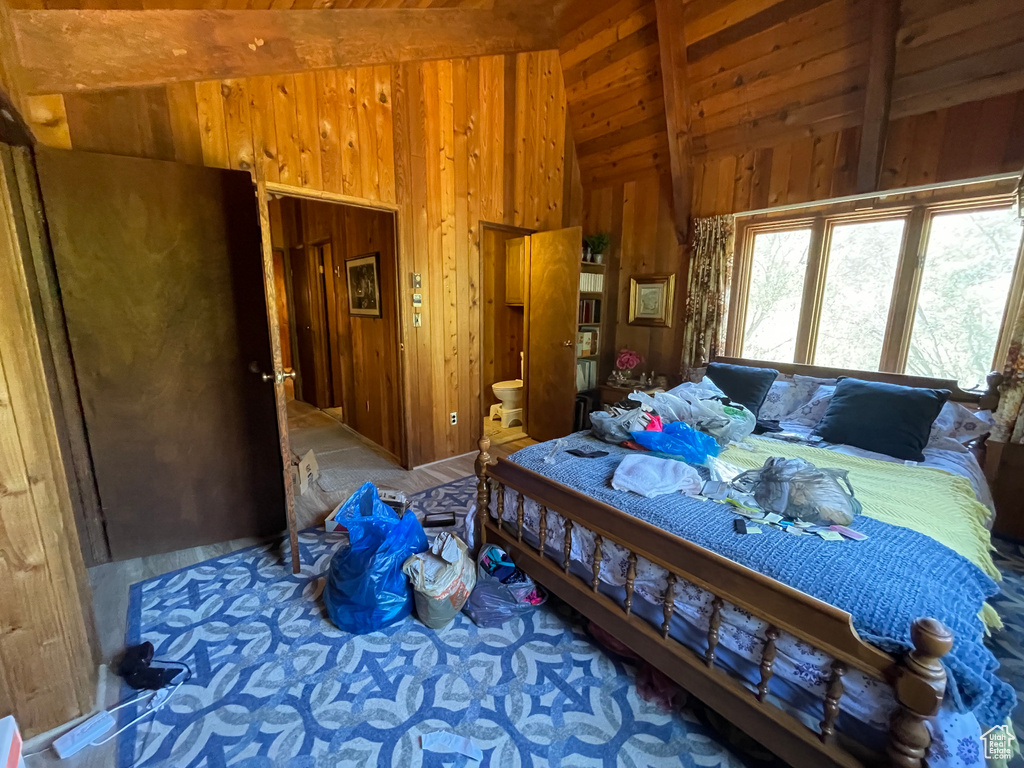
x: 276, y: 684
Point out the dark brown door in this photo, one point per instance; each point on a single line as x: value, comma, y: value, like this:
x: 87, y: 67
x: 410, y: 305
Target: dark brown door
x: 161, y: 277
x: 305, y: 382
x: 552, y: 305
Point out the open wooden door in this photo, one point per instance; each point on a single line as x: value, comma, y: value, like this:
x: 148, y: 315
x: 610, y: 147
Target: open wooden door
x: 552, y: 302
x: 162, y: 276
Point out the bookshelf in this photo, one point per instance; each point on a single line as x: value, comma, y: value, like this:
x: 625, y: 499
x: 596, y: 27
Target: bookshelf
x: 590, y: 326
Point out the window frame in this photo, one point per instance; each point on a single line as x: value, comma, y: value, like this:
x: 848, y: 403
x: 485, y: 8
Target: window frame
x: 822, y: 219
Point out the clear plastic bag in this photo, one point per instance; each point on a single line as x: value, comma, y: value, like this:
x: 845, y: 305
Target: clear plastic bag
x: 492, y: 603
x: 797, y: 489
x: 365, y: 588
x: 679, y: 439
x: 698, y: 408
x: 615, y: 427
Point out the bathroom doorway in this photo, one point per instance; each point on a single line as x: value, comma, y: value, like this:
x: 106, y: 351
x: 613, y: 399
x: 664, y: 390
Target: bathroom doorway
x: 503, y: 271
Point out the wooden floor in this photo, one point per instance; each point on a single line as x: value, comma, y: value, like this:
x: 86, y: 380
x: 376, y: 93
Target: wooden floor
x: 346, y: 460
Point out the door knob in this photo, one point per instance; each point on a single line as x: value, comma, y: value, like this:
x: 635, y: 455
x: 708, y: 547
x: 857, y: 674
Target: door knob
x: 279, y: 377
x: 567, y: 343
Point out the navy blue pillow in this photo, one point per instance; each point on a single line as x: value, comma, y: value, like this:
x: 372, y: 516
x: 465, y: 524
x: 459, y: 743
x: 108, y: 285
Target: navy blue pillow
x: 885, y: 418
x: 742, y: 383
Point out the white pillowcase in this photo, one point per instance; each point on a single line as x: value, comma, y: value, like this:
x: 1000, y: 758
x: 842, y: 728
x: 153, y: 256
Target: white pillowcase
x: 957, y: 423
x: 809, y: 414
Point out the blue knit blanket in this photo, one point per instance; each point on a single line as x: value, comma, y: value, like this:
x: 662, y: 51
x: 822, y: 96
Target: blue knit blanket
x: 885, y: 582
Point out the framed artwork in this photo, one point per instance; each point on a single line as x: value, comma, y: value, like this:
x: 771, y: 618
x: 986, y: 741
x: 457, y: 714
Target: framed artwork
x: 363, y: 279
x: 650, y: 300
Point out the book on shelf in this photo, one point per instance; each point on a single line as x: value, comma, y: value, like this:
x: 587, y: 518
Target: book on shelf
x: 587, y: 342
x: 591, y: 282
x: 586, y: 375
x: 590, y: 311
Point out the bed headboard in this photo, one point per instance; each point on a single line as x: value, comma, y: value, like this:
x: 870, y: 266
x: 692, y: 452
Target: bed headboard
x: 987, y: 400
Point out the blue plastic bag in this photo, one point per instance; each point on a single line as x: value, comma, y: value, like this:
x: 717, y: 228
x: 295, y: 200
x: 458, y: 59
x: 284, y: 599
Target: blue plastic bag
x: 366, y: 589
x: 679, y: 439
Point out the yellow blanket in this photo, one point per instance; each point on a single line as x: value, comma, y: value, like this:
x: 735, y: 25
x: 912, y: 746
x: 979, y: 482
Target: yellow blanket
x: 931, y: 501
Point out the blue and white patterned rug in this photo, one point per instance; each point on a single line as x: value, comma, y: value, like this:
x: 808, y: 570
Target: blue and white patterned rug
x: 276, y: 684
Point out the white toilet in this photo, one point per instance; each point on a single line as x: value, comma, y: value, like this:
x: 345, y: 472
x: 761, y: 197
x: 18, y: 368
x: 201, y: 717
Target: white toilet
x: 510, y: 392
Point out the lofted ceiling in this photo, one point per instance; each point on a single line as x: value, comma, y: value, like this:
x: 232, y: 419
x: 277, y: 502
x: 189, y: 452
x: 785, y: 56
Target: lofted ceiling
x: 762, y: 72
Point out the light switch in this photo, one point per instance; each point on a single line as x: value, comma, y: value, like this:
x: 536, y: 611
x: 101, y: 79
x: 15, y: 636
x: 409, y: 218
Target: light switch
x: 417, y: 299
x: 417, y: 320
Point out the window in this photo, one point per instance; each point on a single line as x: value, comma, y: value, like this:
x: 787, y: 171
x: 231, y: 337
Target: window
x: 968, y: 269
x: 859, y: 275
x: 779, y: 261
x: 921, y: 289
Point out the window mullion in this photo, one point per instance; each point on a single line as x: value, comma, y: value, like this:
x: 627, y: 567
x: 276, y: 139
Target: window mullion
x: 814, y: 283
x: 896, y: 344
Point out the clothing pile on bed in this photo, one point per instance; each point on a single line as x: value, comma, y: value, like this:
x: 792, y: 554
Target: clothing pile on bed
x: 926, y: 508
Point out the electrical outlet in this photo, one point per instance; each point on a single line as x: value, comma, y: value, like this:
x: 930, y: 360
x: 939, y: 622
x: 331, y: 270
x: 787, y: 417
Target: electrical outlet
x: 454, y: 418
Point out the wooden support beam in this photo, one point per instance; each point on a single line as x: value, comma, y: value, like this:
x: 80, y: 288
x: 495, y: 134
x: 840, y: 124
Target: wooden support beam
x: 672, y: 44
x: 63, y: 51
x: 885, y: 21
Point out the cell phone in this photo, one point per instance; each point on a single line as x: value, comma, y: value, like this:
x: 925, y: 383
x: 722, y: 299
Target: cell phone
x: 739, y: 525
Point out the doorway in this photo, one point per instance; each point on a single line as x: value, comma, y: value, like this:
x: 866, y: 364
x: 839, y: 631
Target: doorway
x: 503, y: 265
x: 340, y: 325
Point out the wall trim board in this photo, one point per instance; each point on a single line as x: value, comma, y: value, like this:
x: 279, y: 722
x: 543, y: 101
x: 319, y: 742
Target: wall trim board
x: 307, y: 193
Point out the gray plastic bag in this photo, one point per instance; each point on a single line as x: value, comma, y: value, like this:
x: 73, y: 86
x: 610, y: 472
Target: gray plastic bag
x: 797, y: 489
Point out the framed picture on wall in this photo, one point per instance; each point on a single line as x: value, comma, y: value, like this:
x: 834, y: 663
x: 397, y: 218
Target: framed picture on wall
x: 650, y: 300
x: 363, y: 280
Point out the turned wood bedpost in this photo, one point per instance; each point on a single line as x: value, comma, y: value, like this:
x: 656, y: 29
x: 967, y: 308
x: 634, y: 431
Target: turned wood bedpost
x: 483, y: 491
x: 919, y: 688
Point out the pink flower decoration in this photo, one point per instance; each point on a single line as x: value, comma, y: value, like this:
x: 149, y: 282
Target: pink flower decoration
x: 627, y: 359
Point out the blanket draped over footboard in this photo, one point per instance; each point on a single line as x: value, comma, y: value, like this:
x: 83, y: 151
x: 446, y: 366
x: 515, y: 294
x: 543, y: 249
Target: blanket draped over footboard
x: 886, y: 582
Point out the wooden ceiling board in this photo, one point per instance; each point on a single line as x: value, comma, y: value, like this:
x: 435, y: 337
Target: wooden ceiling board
x: 241, y: 5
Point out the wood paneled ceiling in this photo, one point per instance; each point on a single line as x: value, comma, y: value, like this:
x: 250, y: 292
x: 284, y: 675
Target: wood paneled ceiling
x: 241, y: 5
x: 761, y: 72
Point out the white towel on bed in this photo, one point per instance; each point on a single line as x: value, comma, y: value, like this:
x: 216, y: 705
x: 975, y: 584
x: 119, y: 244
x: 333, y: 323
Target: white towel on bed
x: 650, y: 476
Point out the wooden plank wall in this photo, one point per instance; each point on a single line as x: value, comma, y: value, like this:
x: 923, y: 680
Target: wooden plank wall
x: 637, y: 214
x: 47, y: 667
x: 447, y: 143
x: 962, y: 142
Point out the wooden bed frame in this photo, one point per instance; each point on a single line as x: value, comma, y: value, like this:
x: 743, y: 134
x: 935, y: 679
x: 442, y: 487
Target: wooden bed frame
x: 918, y: 679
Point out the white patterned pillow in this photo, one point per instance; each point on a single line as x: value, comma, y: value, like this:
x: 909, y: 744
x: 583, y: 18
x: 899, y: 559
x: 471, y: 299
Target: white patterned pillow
x: 956, y: 422
x: 810, y: 413
x: 779, y: 401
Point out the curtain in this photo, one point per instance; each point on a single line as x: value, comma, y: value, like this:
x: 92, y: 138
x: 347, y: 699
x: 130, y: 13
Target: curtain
x: 706, y: 287
x: 1009, y: 416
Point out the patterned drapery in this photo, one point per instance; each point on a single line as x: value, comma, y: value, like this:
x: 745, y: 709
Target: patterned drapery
x: 706, y: 286
x: 1009, y: 416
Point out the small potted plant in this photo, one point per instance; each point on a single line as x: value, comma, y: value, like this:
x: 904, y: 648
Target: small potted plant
x: 595, y: 246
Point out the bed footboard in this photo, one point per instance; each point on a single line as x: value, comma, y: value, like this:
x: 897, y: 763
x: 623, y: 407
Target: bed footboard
x: 918, y: 680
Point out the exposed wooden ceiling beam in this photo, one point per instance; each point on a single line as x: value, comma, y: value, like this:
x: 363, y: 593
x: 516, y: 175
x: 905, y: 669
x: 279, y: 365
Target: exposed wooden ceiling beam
x: 672, y: 45
x: 885, y: 21
x: 61, y: 51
